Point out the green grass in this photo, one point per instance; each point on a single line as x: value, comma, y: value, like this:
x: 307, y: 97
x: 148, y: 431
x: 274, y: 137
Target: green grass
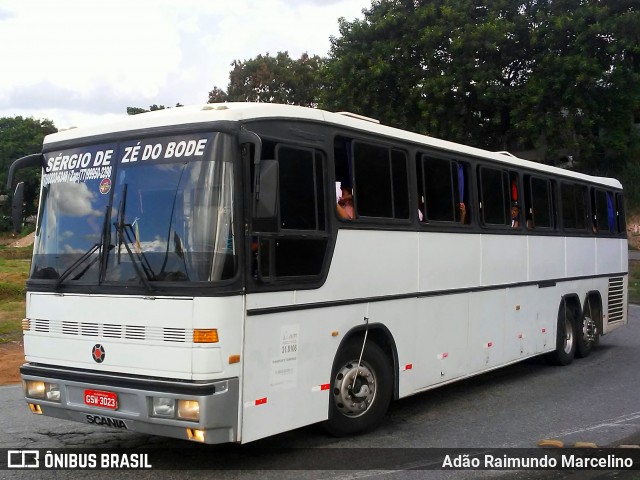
x: 14, y: 269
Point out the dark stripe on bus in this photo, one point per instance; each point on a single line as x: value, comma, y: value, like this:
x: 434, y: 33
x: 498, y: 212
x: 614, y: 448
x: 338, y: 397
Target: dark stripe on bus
x: 433, y: 293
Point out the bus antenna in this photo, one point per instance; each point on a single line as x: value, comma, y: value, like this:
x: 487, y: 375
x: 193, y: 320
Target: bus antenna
x: 366, y: 331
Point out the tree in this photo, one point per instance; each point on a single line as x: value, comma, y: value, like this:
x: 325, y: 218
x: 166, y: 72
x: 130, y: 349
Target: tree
x: 560, y: 76
x: 152, y: 108
x: 278, y: 79
x: 19, y: 137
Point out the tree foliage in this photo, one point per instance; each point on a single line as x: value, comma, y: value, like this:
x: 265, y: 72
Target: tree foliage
x: 558, y: 76
x: 278, y: 79
x: 152, y: 108
x: 19, y: 137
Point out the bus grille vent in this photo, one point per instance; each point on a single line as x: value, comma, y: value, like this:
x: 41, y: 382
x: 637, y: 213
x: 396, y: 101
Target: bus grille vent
x: 41, y: 325
x: 112, y: 331
x: 174, y: 335
x: 70, y: 328
x: 616, y: 298
x: 134, y: 332
x: 89, y: 329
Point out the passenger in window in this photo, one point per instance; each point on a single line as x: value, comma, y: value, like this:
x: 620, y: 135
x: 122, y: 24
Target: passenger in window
x: 463, y: 213
x: 515, y: 215
x: 344, y: 206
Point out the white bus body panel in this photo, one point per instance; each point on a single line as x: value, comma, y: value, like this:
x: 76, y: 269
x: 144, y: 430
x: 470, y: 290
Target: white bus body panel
x: 150, y: 336
x: 456, y: 320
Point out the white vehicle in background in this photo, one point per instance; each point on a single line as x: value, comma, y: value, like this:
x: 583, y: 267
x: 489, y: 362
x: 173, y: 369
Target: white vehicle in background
x: 192, y: 276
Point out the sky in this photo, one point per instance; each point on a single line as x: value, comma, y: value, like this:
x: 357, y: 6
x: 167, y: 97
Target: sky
x: 82, y: 62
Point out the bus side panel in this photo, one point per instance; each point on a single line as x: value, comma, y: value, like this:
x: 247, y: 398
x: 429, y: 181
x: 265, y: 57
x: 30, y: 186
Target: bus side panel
x: 486, y: 330
x: 521, y: 324
x: 504, y: 259
x: 365, y: 264
x: 449, y: 261
x: 608, y: 255
x: 546, y: 257
x: 287, y: 367
x: 440, y: 333
x: 580, y: 254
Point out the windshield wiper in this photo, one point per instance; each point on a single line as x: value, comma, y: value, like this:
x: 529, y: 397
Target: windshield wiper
x: 146, y: 272
x: 85, y: 256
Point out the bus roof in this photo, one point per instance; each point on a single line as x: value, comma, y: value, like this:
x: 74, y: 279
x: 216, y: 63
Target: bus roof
x: 238, y: 112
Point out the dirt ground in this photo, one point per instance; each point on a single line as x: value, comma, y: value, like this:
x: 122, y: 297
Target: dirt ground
x: 11, y: 357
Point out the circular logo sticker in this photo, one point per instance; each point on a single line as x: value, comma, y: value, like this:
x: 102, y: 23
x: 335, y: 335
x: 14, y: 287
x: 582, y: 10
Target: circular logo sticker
x: 98, y: 353
x: 105, y: 186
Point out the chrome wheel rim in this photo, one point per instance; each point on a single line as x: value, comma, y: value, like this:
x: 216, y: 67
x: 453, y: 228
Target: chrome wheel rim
x: 354, y: 389
x: 568, y: 336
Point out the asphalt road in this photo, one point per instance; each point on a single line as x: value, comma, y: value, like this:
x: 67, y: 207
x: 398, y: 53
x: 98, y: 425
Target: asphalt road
x: 596, y: 399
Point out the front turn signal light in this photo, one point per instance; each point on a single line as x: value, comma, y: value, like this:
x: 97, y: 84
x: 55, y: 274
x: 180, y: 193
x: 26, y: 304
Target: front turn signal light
x: 205, y: 336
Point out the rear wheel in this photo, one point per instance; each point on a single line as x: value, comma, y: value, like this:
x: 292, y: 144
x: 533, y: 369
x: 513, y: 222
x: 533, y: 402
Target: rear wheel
x: 587, y: 335
x: 565, y: 339
x: 360, y: 396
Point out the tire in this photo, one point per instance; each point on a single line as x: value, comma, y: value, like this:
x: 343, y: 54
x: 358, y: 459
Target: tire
x: 587, y: 335
x: 348, y: 413
x: 566, y: 336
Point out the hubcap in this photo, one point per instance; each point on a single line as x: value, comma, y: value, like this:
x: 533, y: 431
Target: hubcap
x: 354, y: 389
x: 568, y: 336
x: 589, y: 329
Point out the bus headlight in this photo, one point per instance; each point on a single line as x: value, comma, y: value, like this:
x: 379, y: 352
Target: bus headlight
x: 52, y: 392
x: 189, y: 410
x: 34, y: 389
x: 164, y: 407
x: 42, y: 390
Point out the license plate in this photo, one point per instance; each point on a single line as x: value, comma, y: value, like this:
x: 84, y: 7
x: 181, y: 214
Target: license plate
x: 102, y: 399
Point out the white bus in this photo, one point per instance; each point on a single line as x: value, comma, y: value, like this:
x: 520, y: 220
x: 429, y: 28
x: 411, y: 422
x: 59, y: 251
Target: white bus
x: 195, y: 274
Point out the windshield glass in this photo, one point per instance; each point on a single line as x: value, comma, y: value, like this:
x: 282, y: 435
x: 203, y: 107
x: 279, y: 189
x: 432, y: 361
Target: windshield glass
x: 161, y: 212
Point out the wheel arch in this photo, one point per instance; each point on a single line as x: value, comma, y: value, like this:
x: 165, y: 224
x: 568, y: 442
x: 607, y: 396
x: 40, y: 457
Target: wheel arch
x: 572, y: 301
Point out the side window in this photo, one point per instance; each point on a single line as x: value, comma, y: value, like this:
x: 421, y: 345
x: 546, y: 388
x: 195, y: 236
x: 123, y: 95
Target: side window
x: 622, y: 225
x: 296, y: 245
x: 574, y: 206
x: 442, y: 190
x: 604, y: 214
x: 494, y: 196
x: 539, y: 202
x: 373, y: 180
x: 301, y: 189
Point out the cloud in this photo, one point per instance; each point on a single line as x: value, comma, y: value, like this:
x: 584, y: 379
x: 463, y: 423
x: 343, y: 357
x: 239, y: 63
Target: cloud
x: 73, y: 59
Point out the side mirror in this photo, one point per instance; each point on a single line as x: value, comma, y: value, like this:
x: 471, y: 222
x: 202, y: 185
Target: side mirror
x: 17, y: 207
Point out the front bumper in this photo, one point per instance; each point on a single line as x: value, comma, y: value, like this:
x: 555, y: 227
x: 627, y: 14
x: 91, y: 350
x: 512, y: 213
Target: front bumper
x: 218, y: 400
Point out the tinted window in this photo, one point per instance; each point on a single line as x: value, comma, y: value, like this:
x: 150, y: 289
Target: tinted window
x: 574, y: 211
x: 381, y: 184
x: 301, y: 190
x: 494, y: 191
x: 540, y: 205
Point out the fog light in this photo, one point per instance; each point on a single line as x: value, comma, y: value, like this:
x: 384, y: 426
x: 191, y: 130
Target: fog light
x: 34, y: 389
x: 52, y: 392
x: 189, y: 410
x: 164, y: 407
x: 195, y: 435
x: 35, y: 409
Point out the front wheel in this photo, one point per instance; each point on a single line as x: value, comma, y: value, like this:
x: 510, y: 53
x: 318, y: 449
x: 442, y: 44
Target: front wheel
x: 360, y: 396
x: 565, y: 339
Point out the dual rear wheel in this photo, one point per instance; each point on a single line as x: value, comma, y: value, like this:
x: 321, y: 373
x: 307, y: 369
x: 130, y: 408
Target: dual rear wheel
x: 575, y: 337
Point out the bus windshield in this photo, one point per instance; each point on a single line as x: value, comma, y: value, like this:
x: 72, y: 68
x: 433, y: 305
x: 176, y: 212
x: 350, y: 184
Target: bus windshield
x: 161, y: 212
